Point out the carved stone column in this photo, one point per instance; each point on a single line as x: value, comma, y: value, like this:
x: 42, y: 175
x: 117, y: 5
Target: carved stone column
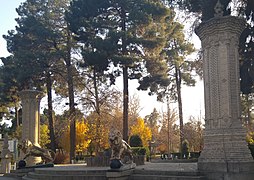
x: 30, y: 100
x: 5, y: 157
x: 225, y: 148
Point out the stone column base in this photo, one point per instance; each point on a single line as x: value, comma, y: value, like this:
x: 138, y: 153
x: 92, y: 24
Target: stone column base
x: 227, y: 170
x: 119, y: 175
x: 32, y: 161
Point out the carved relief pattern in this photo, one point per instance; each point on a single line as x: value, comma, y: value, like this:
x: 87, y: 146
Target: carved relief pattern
x: 224, y: 138
x: 234, y: 79
x: 206, y: 86
x: 214, y: 90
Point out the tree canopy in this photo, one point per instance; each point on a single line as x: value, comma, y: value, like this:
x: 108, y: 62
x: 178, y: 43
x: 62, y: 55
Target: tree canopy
x: 77, y: 50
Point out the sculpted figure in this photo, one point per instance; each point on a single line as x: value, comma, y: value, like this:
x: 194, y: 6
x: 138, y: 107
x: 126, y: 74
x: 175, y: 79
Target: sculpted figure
x: 119, y: 147
x: 29, y: 149
x: 213, y: 8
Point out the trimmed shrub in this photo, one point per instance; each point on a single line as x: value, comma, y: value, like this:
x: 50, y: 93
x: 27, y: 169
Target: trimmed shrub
x: 139, y: 154
x: 194, y: 155
x: 251, y: 147
x: 136, y: 141
x: 138, y: 151
x: 185, y: 149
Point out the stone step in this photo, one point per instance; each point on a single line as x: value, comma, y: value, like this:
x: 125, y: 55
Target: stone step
x: 75, y: 170
x: 14, y: 175
x: 40, y: 176
x: 148, y: 176
x: 66, y: 174
x: 164, y: 177
x: 147, y: 172
x: 8, y: 178
x: 166, y: 173
x: 26, y: 178
x: 140, y: 174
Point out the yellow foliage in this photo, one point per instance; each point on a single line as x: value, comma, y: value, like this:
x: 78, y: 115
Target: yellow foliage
x: 65, y: 140
x: 141, y: 129
x: 82, y: 138
x: 44, y: 135
x: 162, y: 148
x: 250, y: 137
x: 98, y: 131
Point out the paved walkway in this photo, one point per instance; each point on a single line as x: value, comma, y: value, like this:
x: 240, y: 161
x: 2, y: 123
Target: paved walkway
x: 6, y: 178
x: 180, y: 167
x: 186, y: 167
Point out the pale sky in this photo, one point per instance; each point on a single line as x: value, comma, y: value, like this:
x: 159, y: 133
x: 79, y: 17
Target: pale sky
x: 192, y: 97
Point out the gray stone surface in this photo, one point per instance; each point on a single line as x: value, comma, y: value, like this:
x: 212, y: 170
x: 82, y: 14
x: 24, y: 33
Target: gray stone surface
x: 7, y: 178
x: 225, y: 155
x: 5, y: 157
x: 224, y: 139
x: 30, y: 114
x: 152, y: 169
x: 30, y: 100
x: 184, y: 167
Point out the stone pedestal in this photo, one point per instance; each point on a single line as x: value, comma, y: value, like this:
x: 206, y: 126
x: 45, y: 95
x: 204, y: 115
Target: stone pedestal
x: 30, y: 100
x: 122, y: 174
x: 225, y: 154
x: 6, y: 157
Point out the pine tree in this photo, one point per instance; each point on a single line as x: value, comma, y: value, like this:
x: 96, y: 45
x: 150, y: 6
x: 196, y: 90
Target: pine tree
x: 36, y: 46
x: 128, y: 32
x: 177, y: 49
x: 8, y: 89
x: 245, y: 9
x: 153, y: 121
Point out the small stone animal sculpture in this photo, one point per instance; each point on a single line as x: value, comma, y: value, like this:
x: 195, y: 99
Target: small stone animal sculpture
x: 120, y: 149
x: 29, y: 149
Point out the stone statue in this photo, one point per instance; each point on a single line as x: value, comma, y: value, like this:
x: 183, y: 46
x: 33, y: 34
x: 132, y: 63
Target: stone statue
x: 214, y: 8
x: 120, y: 149
x: 218, y: 9
x: 29, y: 149
x: 6, y: 157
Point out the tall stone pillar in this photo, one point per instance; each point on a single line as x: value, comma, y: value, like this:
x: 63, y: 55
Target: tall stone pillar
x: 6, y: 157
x: 30, y: 100
x: 225, y: 154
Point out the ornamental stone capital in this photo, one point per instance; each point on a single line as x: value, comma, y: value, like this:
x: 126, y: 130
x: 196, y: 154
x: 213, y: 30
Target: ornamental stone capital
x: 30, y: 94
x: 220, y: 30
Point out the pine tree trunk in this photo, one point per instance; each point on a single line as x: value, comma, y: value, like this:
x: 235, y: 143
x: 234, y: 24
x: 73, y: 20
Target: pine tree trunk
x: 125, y: 80
x: 71, y: 99
x: 125, y: 103
x: 97, y: 107
x: 180, y: 105
x: 17, y: 116
x: 168, y: 133
x: 50, y: 114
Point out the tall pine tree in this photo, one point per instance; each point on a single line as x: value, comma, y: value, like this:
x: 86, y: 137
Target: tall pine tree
x: 131, y: 33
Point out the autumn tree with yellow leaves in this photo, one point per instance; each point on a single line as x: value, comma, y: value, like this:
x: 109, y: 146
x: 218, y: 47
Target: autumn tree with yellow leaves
x: 44, y: 135
x: 141, y: 129
x: 82, y: 137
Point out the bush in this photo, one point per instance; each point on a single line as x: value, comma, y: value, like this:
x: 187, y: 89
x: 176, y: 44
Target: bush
x: 139, y: 154
x: 138, y: 151
x: 185, y: 149
x: 251, y: 147
x: 136, y: 141
x: 194, y: 155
